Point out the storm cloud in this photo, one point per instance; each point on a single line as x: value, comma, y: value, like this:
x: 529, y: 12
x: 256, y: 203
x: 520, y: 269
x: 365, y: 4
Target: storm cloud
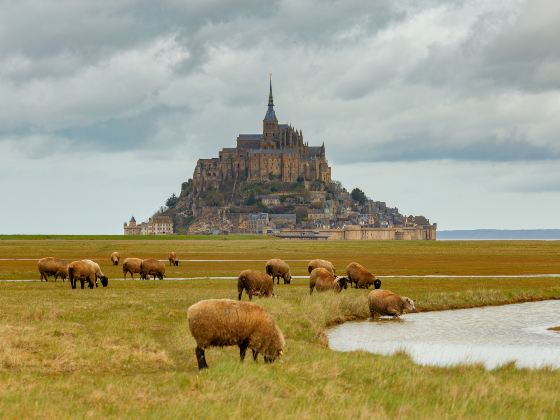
x: 142, y: 83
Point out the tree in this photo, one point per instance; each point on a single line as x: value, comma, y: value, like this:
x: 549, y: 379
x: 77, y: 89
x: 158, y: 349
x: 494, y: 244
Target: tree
x: 171, y: 201
x: 358, y: 196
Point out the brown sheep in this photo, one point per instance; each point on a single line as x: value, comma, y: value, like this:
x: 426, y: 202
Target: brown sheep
x: 254, y: 283
x: 385, y: 302
x: 359, y: 276
x: 115, y: 258
x: 52, y: 266
x: 277, y: 268
x: 313, y: 264
x: 322, y: 280
x: 98, y: 273
x: 226, y: 322
x: 131, y: 265
x: 151, y: 267
x: 173, y: 259
x: 82, y: 271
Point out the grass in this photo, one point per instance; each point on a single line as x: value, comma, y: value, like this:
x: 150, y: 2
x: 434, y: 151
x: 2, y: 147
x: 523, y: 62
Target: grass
x: 125, y: 351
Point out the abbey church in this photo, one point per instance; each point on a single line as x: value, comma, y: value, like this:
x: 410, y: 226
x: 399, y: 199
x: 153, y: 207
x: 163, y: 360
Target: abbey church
x: 279, y: 153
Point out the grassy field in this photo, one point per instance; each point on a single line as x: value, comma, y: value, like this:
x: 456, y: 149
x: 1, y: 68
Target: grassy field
x: 125, y: 351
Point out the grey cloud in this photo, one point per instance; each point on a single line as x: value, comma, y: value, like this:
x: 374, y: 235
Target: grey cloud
x: 424, y: 148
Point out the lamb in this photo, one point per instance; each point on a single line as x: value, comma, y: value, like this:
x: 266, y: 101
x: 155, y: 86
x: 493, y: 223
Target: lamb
x: 359, y: 276
x: 151, y: 267
x: 173, y: 258
x: 52, y: 266
x: 131, y: 265
x: 255, y: 283
x: 81, y: 270
x: 98, y: 273
x: 385, y: 302
x: 115, y: 258
x: 277, y: 268
x: 226, y: 322
x: 322, y: 280
x: 313, y: 264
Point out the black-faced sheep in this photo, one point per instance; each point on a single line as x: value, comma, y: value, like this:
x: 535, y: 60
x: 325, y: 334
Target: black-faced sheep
x: 173, y: 258
x: 52, y: 266
x: 385, y: 302
x: 98, y: 273
x: 82, y: 271
x: 313, y: 264
x: 254, y: 283
x: 151, y: 267
x: 359, y: 276
x: 115, y: 258
x: 322, y: 280
x: 225, y: 322
x: 277, y: 268
x: 131, y: 265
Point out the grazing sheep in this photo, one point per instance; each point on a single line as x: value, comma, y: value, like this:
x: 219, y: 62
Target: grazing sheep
x: 81, y: 270
x: 98, y: 273
x: 131, y: 265
x: 254, y: 283
x: 52, y: 266
x: 173, y: 258
x: 115, y: 258
x: 322, y: 280
x: 385, y: 302
x: 277, y: 268
x: 226, y: 322
x: 313, y: 264
x: 151, y: 267
x: 359, y: 276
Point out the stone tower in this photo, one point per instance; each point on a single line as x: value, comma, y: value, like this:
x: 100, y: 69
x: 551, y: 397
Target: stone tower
x: 270, y: 122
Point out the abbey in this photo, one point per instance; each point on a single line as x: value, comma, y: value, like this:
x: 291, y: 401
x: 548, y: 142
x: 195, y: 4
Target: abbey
x: 279, y: 153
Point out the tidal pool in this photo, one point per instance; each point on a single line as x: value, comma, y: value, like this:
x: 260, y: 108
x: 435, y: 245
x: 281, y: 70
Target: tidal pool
x: 492, y: 336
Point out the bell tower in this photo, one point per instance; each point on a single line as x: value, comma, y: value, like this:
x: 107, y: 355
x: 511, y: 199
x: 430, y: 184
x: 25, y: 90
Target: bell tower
x: 270, y: 122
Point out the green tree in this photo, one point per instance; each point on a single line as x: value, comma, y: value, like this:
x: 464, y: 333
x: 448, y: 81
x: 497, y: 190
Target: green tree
x: 358, y: 196
x: 171, y: 201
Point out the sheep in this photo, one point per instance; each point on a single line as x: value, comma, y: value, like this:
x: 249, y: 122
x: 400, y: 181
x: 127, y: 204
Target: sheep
x: 131, y: 265
x: 322, y: 280
x: 173, y: 259
x: 359, y: 276
x: 385, y: 302
x: 98, y: 273
x: 226, y: 322
x: 254, y: 283
x: 115, y: 258
x: 313, y: 264
x: 81, y: 270
x: 151, y: 267
x: 277, y: 268
x: 52, y: 266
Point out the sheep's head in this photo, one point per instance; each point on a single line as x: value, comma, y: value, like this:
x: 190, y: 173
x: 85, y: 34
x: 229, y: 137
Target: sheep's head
x: 104, y: 281
x: 409, y: 305
x: 176, y: 263
x: 342, y: 282
x: 277, y: 355
x: 377, y: 284
x: 288, y: 278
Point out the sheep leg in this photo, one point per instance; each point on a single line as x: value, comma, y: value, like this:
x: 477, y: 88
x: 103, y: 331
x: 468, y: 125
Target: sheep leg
x: 243, y: 349
x: 255, y: 354
x: 250, y: 293
x: 200, y: 357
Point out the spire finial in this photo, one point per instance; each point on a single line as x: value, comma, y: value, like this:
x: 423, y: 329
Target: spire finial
x: 270, y: 100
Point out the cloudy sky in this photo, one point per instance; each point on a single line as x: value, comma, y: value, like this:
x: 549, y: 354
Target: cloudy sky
x: 450, y: 109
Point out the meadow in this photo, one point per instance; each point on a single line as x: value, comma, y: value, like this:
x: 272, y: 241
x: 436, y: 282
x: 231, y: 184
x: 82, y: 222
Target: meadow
x: 125, y: 351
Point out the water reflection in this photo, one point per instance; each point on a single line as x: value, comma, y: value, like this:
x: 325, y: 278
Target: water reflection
x: 491, y: 335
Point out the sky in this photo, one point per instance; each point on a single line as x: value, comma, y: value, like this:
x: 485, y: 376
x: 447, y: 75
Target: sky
x: 449, y: 109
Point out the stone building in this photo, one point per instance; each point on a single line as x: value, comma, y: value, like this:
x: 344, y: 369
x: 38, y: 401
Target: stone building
x: 156, y: 225
x: 279, y: 153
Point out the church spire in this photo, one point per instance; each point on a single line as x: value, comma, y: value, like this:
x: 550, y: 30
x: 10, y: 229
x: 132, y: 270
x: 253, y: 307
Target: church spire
x: 270, y: 100
x: 270, y: 115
